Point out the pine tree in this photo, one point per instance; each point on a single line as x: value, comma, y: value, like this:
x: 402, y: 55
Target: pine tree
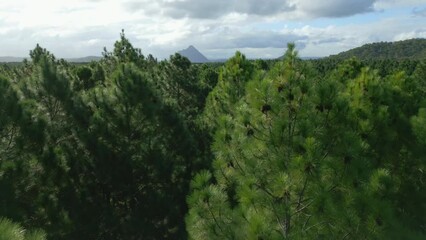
x: 229, y: 90
x: 303, y: 158
x: 13, y: 231
x: 98, y: 162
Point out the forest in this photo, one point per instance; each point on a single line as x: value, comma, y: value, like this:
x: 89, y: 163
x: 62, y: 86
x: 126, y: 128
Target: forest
x: 130, y: 147
x: 414, y: 49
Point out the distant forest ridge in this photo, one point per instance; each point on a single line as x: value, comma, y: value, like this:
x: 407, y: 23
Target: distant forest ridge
x: 414, y: 49
x: 87, y: 59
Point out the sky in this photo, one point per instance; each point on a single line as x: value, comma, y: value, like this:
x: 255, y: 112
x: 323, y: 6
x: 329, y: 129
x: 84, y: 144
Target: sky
x: 217, y: 28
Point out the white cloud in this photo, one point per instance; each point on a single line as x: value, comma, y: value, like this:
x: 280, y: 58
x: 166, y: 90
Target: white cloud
x: 207, y: 9
x: 288, y: 9
x: 75, y: 28
x: 419, y: 33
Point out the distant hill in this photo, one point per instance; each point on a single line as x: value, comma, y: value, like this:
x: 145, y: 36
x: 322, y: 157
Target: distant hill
x: 193, y: 55
x: 11, y: 59
x: 303, y: 58
x: 84, y: 59
x: 414, y: 49
x: 73, y: 60
x: 218, y: 60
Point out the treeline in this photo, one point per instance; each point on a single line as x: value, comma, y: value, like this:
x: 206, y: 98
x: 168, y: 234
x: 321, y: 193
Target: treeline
x: 103, y: 151
x: 414, y: 49
x: 135, y: 148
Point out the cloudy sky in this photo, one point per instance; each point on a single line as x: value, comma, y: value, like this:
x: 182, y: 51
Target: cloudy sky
x: 258, y: 28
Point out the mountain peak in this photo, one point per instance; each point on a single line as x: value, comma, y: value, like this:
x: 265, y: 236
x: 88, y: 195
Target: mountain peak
x: 193, y: 55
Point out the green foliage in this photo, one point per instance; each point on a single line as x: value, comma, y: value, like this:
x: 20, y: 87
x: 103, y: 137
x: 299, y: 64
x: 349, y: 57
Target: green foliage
x: 38, y: 53
x: 131, y: 147
x: 208, y: 79
x: 229, y: 89
x: 303, y: 158
x: 13, y: 231
x: 407, y: 49
x: 95, y: 154
x: 123, y: 52
x: 85, y: 78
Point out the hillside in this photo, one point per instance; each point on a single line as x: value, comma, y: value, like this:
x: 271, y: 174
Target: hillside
x: 11, y: 59
x: 193, y: 55
x: 84, y: 59
x: 87, y: 59
x: 414, y: 49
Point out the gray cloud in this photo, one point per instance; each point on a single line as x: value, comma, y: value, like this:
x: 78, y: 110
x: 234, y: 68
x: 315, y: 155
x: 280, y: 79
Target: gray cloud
x: 208, y: 9
x: 223, y: 41
x: 18, y: 42
x: 162, y: 27
x: 263, y: 39
x: 327, y: 40
x: 335, y: 8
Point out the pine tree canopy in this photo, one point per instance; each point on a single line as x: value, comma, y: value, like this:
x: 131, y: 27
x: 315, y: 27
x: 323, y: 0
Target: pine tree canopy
x: 131, y: 147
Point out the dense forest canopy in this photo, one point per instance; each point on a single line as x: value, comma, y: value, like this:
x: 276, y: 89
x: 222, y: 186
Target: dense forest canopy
x: 135, y: 148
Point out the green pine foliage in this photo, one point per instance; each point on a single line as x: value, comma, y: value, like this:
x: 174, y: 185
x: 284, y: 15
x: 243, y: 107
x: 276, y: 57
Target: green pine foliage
x: 135, y: 148
x: 13, y: 231
x: 307, y: 158
x: 97, y: 151
x: 229, y: 90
